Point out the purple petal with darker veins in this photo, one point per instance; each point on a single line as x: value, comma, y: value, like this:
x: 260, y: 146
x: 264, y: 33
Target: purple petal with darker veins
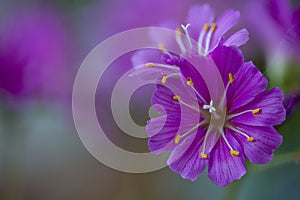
x: 223, y: 168
x: 228, y: 60
x: 189, y: 71
x: 248, y: 83
x: 179, y: 88
x: 185, y: 158
x: 224, y: 23
x: 271, y: 112
x: 162, y: 131
x: 164, y: 96
x: 197, y: 17
x: 237, y: 39
x: 266, y: 140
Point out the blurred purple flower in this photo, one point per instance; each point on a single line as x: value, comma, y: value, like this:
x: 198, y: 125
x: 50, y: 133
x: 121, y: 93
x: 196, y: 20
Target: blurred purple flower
x: 34, y: 52
x: 201, y: 123
x: 291, y: 102
x: 276, y: 25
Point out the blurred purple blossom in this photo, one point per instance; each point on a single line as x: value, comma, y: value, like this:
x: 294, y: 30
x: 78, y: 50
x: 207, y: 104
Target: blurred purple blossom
x: 34, y: 54
x: 276, y: 25
x: 291, y: 102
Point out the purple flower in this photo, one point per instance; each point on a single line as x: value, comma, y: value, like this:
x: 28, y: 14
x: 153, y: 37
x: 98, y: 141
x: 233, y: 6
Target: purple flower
x: 276, y: 26
x: 34, y: 54
x: 201, y: 27
x: 291, y: 102
x: 216, y: 112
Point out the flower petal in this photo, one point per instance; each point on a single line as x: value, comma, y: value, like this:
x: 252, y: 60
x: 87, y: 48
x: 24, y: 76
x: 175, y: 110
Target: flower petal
x: 147, y: 55
x: 271, y: 112
x: 185, y: 158
x: 164, y: 97
x: 261, y: 150
x: 228, y: 60
x: 224, y: 23
x: 162, y: 131
x: 223, y: 168
x: 237, y: 39
x: 248, y: 83
x: 191, y: 72
x: 197, y: 17
x: 162, y: 38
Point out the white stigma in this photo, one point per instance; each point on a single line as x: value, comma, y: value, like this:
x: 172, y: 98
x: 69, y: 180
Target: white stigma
x: 185, y: 29
x: 210, y: 107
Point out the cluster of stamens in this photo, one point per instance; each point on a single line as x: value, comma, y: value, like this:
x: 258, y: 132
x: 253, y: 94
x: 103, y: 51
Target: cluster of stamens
x: 212, y: 110
x: 204, y: 40
x: 206, y: 110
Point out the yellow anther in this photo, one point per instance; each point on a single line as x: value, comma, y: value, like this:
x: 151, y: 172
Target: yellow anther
x: 203, y: 155
x: 164, y: 79
x: 190, y: 82
x: 231, y: 78
x: 175, y: 97
x: 162, y: 47
x: 150, y: 64
x: 206, y: 27
x: 213, y: 26
x: 178, y: 31
x: 250, y: 139
x: 177, y: 139
x: 256, y: 111
x: 234, y: 152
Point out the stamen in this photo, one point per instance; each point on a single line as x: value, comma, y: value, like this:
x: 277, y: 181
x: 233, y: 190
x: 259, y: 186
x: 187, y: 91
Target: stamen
x: 190, y: 82
x: 150, y: 64
x: 254, y: 112
x: 208, y: 37
x: 187, y: 34
x: 164, y: 79
x: 232, y: 151
x: 162, y: 47
x: 178, y: 136
x: 214, y: 26
x: 177, y: 139
x: 179, y: 40
x: 249, y: 139
x: 206, y: 27
x: 210, y: 107
x: 203, y: 155
x: 231, y: 78
x: 190, y: 106
x: 176, y: 97
x: 201, y: 37
x: 164, y: 50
